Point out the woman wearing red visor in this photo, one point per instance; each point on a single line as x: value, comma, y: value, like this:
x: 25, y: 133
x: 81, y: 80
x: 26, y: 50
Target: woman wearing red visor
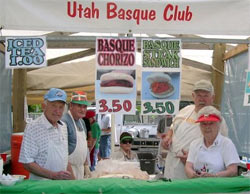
x: 213, y: 155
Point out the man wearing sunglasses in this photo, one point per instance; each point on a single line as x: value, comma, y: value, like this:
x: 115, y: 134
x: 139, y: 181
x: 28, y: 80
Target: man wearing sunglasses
x: 125, y: 153
x: 77, y: 134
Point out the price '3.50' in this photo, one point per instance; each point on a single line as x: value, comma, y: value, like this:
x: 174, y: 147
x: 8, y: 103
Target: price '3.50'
x: 116, y: 106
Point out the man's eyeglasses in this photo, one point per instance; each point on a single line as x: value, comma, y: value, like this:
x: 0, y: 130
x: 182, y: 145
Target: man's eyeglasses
x: 126, y: 141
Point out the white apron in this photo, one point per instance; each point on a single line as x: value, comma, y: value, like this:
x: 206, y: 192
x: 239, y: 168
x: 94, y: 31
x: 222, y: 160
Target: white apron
x: 57, y: 159
x: 182, y: 137
x: 79, y: 155
x: 209, y: 161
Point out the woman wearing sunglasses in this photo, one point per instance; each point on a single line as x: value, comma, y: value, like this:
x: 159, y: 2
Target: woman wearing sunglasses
x: 125, y: 153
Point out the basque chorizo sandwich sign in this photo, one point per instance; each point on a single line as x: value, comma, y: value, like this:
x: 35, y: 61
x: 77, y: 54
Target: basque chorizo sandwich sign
x: 25, y: 52
x: 161, y: 75
x: 115, y: 86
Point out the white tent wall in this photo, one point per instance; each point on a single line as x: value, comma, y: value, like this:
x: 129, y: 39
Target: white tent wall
x: 236, y: 115
x: 5, y: 106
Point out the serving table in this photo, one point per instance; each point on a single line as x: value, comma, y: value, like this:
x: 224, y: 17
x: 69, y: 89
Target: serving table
x: 119, y: 185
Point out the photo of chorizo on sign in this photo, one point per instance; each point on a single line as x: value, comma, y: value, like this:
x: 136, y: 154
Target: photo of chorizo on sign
x: 162, y: 54
x: 25, y: 52
x: 115, y: 53
x: 112, y: 83
x: 115, y: 91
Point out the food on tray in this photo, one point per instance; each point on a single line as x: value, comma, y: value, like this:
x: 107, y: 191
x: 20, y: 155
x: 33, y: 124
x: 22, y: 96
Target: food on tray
x: 116, y: 82
x: 119, y: 169
x: 160, y: 85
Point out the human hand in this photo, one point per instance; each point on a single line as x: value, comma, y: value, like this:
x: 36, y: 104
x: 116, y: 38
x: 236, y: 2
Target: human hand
x: 196, y: 174
x: 62, y: 175
x: 206, y: 174
x: 183, y: 157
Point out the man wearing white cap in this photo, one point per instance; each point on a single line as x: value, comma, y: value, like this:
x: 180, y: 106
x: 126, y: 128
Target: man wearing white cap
x: 44, y: 151
x: 184, y: 130
x: 77, y: 134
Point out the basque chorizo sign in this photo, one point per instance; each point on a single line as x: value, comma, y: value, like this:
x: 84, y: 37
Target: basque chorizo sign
x: 115, y: 86
x: 115, y: 52
x: 25, y: 52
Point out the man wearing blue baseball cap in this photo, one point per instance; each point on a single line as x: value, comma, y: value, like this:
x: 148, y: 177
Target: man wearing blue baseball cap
x: 44, y: 150
x: 77, y: 134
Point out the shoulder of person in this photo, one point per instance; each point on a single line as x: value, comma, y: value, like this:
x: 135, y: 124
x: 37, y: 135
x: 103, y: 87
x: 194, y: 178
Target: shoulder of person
x: 63, y: 123
x: 226, y: 141
x: 35, y: 123
x: 196, y: 142
x: 183, y: 113
x: 187, y: 108
x: 117, y: 155
x: 65, y: 117
x: 95, y: 124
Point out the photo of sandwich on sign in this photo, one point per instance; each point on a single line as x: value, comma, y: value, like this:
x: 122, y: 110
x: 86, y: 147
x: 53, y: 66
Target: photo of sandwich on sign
x: 116, y: 82
x: 160, y: 85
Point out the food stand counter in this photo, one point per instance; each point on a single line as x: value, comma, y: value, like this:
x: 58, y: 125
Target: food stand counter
x: 118, y: 185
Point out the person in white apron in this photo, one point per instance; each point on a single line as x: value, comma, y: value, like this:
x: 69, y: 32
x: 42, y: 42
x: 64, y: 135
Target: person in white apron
x: 212, y: 155
x: 184, y: 130
x: 77, y: 139
x: 44, y: 147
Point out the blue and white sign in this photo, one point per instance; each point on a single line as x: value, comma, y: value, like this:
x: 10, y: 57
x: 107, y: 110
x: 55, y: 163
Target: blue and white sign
x: 25, y: 52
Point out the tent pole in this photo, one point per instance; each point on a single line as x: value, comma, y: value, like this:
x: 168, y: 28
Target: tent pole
x: 18, y: 96
x: 112, y: 134
x: 218, y: 72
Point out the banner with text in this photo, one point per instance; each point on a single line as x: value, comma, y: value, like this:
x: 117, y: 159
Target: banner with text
x: 161, y: 76
x: 115, y: 85
x: 217, y: 17
x: 25, y: 52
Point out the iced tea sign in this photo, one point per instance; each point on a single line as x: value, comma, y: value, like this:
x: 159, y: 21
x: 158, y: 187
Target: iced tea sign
x: 25, y: 52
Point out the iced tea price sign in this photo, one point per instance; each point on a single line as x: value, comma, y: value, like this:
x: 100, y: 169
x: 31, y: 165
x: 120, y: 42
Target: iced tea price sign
x: 160, y: 107
x: 25, y: 52
x: 124, y: 106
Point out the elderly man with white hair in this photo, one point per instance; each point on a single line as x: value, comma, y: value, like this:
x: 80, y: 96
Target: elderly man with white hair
x: 184, y: 130
x: 212, y: 155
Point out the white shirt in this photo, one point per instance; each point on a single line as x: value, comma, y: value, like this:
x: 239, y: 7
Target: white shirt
x: 106, y: 123
x: 121, y: 155
x: 215, y: 158
x: 36, y: 140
